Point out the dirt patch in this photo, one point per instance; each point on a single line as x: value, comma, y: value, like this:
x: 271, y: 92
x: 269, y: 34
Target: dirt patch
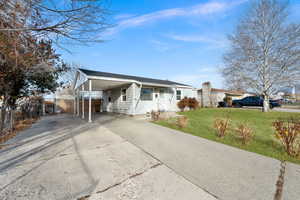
x: 19, y: 126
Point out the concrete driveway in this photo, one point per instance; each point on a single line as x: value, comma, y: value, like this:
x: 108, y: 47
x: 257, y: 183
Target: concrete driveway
x: 225, y: 172
x: 62, y: 157
x: 119, y: 157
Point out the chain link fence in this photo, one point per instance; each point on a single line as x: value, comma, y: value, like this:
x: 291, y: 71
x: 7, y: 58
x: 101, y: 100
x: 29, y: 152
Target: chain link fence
x: 26, y: 112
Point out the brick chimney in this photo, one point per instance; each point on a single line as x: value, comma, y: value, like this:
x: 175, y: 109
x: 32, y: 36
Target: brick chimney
x: 206, y: 94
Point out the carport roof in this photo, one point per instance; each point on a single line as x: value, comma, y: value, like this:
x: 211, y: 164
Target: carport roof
x: 128, y: 77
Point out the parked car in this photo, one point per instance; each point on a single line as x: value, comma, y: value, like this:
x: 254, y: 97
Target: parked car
x: 254, y: 101
x: 288, y: 101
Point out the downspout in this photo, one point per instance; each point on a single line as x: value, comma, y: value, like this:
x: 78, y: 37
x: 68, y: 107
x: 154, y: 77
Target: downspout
x: 139, y: 97
x: 174, y: 92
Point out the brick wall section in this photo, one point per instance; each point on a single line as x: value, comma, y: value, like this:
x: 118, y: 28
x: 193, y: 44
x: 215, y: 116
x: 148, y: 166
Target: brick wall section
x: 206, y: 94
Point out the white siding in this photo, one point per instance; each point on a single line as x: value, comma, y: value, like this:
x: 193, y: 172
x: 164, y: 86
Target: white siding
x: 117, y: 105
x: 165, y: 102
x: 133, y: 105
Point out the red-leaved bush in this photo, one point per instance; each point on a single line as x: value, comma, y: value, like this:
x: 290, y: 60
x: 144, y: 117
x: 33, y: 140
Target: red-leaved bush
x: 191, y: 103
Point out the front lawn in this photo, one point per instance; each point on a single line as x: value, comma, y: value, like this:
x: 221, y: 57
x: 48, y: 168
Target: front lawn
x: 201, y: 124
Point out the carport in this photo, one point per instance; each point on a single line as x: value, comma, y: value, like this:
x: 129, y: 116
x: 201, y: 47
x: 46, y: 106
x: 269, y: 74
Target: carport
x: 92, y: 86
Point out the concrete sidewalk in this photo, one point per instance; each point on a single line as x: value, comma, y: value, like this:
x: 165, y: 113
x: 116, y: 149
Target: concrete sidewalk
x: 62, y: 157
x: 226, y: 172
x: 292, y: 110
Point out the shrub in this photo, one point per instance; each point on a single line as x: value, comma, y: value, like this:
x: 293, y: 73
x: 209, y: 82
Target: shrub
x: 287, y: 131
x: 183, y: 103
x: 221, y: 126
x: 155, y: 115
x: 193, y: 103
x: 182, y: 121
x: 244, y: 132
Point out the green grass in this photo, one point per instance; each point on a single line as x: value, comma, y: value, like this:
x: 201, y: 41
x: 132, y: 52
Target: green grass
x: 201, y: 124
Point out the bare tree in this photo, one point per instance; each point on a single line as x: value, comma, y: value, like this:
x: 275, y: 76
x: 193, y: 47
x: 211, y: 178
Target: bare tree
x: 234, y: 82
x: 67, y: 78
x: 265, y: 50
x: 76, y: 20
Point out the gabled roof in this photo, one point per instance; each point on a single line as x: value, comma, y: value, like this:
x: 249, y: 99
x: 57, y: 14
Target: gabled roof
x: 128, y: 77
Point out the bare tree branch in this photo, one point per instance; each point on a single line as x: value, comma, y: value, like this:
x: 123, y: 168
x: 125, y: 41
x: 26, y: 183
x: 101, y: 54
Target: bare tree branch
x: 265, y: 49
x: 80, y: 21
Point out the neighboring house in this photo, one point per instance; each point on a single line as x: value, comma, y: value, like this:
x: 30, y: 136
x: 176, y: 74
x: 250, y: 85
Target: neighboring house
x: 210, y: 97
x: 59, y: 102
x: 297, y: 92
x: 130, y: 95
x: 290, y: 93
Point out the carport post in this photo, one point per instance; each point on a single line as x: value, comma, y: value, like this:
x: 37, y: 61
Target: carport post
x: 77, y: 95
x: 82, y: 101
x: 74, y: 103
x: 90, y: 100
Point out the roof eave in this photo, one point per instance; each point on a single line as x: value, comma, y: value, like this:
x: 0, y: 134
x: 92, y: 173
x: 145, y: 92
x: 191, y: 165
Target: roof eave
x: 133, y: 81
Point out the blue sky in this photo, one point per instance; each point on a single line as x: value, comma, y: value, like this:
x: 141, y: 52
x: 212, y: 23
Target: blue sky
x: 179, y: 40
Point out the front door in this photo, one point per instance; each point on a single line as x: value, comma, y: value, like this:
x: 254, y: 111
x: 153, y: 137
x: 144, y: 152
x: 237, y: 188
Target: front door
x: 156, y: 99
x: 159, y: 99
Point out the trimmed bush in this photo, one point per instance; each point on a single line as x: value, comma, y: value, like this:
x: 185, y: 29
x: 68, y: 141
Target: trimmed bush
x: 182, y: 121
x: 287, y: 131
x: 221, y: 126
x: 155, y: 115
x: 244, y: 132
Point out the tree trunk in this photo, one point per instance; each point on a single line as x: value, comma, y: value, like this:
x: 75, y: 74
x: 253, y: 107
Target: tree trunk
x: 12, y: 120
x: 3, y: 116
x: 266, y: 104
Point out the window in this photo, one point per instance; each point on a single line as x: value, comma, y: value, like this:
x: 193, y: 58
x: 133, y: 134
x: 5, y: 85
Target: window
x: 123, y: 94
x: 178, y: 95
x: 146, y: 94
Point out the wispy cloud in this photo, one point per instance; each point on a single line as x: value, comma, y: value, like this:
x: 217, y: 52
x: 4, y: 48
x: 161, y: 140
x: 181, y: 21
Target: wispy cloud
x: 210, y: 40
x: 202, y: 9
x: 160, y: 46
